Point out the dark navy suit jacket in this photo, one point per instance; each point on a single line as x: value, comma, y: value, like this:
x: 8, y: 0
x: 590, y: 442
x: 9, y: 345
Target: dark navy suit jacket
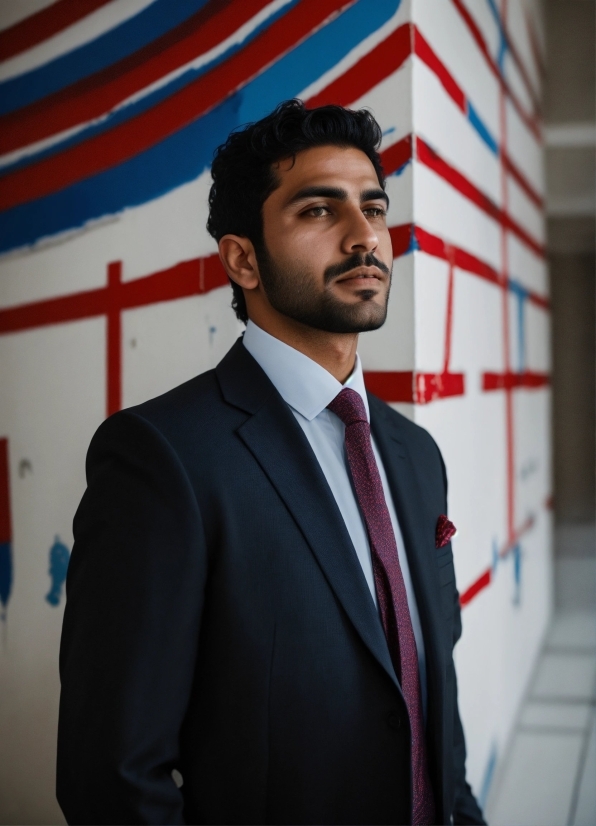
x: 218, y: 622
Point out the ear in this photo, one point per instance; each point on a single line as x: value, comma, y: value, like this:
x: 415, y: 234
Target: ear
x: 237, y: 255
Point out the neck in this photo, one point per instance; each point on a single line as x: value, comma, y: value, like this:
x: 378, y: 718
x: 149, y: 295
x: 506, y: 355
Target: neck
x: 336, y: 352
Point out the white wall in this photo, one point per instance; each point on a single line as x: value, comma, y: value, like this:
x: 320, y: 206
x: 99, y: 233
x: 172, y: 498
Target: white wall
x: 54, y: 375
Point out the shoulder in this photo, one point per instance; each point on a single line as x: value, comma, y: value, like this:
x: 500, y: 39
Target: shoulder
x: 183, y: 406
x: 162, y: 425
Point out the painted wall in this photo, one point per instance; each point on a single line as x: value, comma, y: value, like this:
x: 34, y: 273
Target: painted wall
x: 110, y: 290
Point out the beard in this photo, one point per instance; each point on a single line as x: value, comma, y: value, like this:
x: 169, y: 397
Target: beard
x: 290, y: 291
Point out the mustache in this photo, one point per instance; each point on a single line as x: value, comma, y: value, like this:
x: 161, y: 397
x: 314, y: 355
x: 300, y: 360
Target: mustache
x: 351, y: 263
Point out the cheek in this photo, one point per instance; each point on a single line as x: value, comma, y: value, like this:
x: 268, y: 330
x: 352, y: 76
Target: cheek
x: 304, y: 245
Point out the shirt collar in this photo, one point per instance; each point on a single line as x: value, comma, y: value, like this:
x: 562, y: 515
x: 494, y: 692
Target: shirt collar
x: 302, y: 383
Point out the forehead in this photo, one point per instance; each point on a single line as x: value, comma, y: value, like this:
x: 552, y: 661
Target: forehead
x: 345, y: 167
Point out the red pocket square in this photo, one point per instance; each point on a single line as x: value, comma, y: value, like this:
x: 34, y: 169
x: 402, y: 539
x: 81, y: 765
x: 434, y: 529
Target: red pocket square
x: 445, y: 531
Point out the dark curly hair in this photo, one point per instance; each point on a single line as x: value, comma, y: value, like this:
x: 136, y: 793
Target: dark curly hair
x: 242, y: 169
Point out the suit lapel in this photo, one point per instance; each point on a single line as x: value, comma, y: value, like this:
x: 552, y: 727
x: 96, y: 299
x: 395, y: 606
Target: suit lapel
x: 277, y: 442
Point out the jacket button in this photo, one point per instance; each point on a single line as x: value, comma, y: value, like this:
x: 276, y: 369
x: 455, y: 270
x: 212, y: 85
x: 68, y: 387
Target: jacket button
x: 393, y: 720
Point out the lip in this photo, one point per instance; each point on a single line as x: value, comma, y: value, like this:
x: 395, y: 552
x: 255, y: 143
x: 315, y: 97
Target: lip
x: 362, y: 273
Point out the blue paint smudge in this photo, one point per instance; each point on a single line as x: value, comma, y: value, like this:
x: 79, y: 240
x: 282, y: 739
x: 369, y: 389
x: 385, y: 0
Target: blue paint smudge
x: 183, y: 156
x: 521, y: 294
x: 495, y: 555
x: 117, y: 43
x: 389, y: 131
x: 401, y: 168
x: 480, y: 127
x: 517, y: 573
x: 413, y: 245
x: 59, y: 557
x: 503, y: 45
x: 489, y: 773
x: 5, y: 575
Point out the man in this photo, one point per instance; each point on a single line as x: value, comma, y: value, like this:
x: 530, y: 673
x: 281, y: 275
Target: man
x: 255, y: 598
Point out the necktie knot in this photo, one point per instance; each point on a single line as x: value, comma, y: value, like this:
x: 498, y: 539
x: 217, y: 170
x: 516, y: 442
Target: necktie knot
x: 349, y: 407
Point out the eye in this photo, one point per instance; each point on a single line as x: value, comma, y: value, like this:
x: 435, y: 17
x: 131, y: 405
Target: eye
x: 375, y: 212
x: 317, y: 211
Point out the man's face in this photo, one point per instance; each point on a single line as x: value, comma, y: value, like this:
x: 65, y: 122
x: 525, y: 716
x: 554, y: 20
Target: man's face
x: 328, y: 257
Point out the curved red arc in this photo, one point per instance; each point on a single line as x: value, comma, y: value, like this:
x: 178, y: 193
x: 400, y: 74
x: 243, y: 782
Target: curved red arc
x: 93, y: 96
x: 44, y: 24
x: 132, y: 137
x: 386, y: 57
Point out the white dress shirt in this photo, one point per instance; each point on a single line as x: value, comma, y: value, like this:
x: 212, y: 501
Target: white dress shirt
x: 308, y: 388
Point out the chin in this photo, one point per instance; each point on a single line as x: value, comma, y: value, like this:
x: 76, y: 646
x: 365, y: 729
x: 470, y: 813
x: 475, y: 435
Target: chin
x: 355, y: 319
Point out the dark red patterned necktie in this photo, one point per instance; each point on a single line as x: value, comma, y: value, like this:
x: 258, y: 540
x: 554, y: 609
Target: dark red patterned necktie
x: 390, y: 588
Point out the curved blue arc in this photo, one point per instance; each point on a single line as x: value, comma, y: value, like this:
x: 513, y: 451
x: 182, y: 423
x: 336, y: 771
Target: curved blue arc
x: 110, y: 47
x: 134, y: 109
x: 183, y: 156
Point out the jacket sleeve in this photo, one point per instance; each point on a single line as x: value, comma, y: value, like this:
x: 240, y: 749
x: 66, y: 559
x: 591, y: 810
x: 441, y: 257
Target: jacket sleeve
x: 465, y: 809
x: 134, y: 599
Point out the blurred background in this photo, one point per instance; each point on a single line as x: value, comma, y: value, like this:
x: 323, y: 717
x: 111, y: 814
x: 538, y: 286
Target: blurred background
x: 111, y: 292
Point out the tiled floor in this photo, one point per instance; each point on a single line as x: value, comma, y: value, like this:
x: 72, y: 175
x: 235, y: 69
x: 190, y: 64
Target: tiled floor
x: 549, y: 778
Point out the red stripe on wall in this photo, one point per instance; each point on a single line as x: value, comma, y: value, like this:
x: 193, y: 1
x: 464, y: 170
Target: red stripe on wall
x: 397, y: 155
x: 401, y: 239
x: 201, y: 275
x: 5, y: 522
x: 510, y: 380
x: 391, y: 386
x: 433, y: 245
x: 430, y: 158
x: 522, y: 181
x: 486, y: 577
x: 194, y: 277
x: 95, y: 95
x: 43, y: 24
x: 423, y: 50
x: 414, y: 388
x: 53, y: 311
x: 521, y: 67
x: 481, y: 583
x: 430, y: 387
x: 530, y: 121
x: 378, y: 64
x: 128, y: 139
x: 385, y: 58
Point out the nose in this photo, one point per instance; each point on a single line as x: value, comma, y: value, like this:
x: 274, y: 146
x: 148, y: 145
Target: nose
x: 359, y: 235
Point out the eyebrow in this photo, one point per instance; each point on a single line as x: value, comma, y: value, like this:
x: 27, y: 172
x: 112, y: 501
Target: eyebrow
x: 337, y: 194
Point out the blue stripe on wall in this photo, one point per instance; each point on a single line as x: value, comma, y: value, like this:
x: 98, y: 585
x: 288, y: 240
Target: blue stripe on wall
x: 185, y: 155
x: 503, y: 45
x: 115, y: 44
x: 481, y: 129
